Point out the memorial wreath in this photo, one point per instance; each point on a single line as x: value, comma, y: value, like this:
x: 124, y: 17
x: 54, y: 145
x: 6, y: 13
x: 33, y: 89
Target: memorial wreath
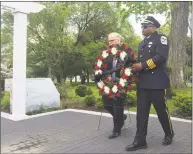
x: 119, y: 86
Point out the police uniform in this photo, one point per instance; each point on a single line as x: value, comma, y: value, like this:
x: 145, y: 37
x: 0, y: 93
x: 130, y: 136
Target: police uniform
x: 153, y: 80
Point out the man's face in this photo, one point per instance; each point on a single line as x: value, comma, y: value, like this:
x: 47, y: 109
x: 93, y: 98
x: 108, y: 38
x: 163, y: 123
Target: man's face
x: 147, y: 29
x: 113, y: 41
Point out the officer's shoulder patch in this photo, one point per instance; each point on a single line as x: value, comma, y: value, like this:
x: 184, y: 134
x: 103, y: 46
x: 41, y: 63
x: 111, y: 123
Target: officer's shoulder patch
x: 163, y: 40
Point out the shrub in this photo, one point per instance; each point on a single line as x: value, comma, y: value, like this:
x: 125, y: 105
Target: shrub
x: 82, y: 91
x: 184, y: 103
x: 99, y: 103
x: 170, y: 93
x: 131, y: 98
x: 90, y: 100
x: 5, y: 101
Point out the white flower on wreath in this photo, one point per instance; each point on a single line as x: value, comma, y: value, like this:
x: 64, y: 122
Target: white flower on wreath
x: 115, y: 89
x: 113, y: 51
x: 100, y: 84
x: 122, y: 82
x: 98, y: 71
x: 106, y: 90
x: 123, y: 55
x: 128, y: 71
x: 105, y: 54
x: 99, y: 63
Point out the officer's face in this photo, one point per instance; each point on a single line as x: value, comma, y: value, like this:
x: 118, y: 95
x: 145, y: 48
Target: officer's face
x: 147, y: 29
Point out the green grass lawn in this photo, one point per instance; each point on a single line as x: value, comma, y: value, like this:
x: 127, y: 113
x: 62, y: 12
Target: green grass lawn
x: 73, y: 96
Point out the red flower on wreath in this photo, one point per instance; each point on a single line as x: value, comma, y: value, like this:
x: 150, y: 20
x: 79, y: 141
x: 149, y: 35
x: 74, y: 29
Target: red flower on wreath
x: 133, y: 79
x: 105, y: 66
x: 110, y: 92
x: 107, y: 79
x: 119, y: 51
x: 100, y: 57
x: 125, y: 76
x: 120, y: 86
x: 97, y: 67
x: 130, y: 87
x: 118, y: 95
x: 122, y: 69
x: 131, y: 54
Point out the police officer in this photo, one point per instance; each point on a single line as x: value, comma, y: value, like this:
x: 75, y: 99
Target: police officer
x: 153, y: 80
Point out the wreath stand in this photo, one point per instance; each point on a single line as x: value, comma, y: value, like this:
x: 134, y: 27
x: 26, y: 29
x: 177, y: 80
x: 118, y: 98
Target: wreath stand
x: 115, y: 113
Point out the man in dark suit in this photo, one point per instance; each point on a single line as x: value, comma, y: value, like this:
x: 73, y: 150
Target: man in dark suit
x: 114, y: 106
x: 153, y: 80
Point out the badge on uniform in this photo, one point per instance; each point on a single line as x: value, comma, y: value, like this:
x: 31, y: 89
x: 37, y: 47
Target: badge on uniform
x: 164, y: 40
x: 149, y: 45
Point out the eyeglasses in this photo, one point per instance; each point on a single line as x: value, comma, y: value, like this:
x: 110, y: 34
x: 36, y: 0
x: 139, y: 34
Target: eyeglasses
x: 146, y: 26
x: 112, y: 40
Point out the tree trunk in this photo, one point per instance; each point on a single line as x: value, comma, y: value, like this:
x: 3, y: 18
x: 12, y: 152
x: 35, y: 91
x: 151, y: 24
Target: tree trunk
x: 70, y: 80
x: 75, y: 79
x: 49, y: 72
x: 58, y: 79
x: 87, y: 76
x: 177, y: 54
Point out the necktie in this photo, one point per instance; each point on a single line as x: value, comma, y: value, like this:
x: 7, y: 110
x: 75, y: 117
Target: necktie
x: 114, y: 66
x: 145, y: 40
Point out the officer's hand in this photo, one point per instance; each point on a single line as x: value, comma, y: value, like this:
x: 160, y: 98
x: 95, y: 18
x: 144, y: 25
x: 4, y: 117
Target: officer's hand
x: 106, y: 73
x: 137, y: 67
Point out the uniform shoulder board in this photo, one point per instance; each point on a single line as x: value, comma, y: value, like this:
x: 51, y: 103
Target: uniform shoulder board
x: 163, y: 39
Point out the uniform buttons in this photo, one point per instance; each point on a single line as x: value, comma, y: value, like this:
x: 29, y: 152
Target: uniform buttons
x: 140, y: 56
x: 152, y: 72
x: 149, y: 50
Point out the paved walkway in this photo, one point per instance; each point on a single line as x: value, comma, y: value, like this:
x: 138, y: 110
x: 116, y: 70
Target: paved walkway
x: 73, y: 132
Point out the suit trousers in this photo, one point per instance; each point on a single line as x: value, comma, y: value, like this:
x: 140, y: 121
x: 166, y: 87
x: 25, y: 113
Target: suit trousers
x: 116, y: 109
x: 144, y: 99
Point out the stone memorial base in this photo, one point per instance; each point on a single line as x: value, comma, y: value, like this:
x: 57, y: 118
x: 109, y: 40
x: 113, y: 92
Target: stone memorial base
x: 39, y: 92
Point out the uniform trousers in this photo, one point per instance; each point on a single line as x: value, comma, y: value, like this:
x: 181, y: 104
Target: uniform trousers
x: 144, y: 99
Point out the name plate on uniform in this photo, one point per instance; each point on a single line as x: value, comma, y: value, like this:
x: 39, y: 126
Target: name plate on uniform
x: 40, y: 91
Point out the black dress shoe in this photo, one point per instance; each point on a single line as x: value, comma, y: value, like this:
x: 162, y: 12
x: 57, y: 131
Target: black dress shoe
x: 124, y: 116
x: 114, y: 135
x: 168, y: 139
x: 136, y: 145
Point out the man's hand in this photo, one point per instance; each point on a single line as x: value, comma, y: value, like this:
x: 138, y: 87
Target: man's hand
x: 97, y: 77
x: 137, y: 67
